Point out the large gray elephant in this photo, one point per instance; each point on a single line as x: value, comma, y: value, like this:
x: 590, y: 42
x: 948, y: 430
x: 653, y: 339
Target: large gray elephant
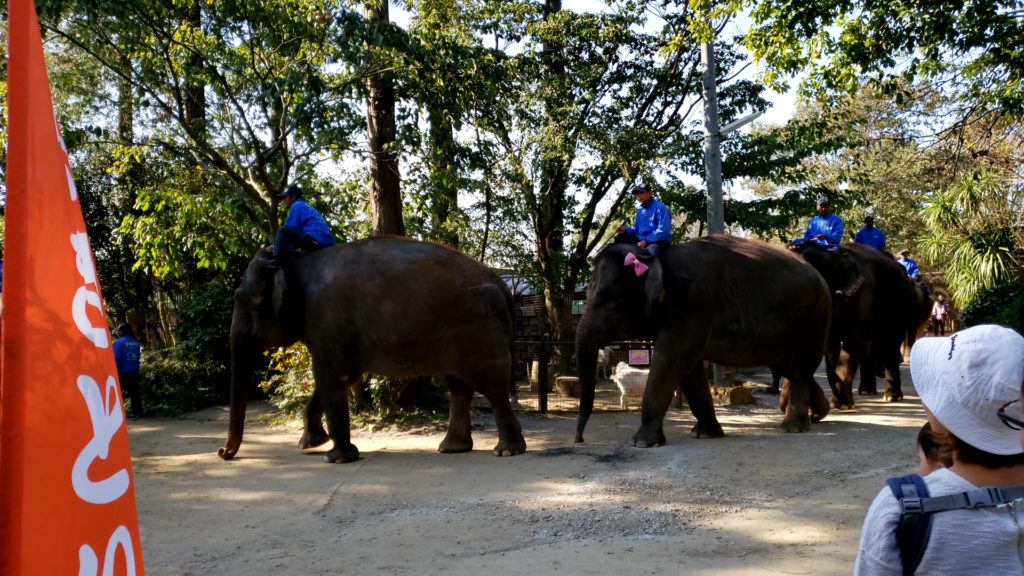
x: 727, y: 300
x: 385, y: 305
x: 875, y: 307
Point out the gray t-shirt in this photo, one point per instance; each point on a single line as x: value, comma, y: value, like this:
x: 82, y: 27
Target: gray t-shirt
x: 982, y: 542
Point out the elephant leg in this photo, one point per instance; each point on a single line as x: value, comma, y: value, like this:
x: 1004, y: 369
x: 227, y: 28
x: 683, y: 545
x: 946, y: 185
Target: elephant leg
x: 776, y: 379
x: 797, y: 399
x: 458, y: 438
x: 818, y: 403
x: 832, y: 358
x: 698, y: 396
x: 784, y: 393
x: 332, y: 393
x: 868, y: 385
x: 893, y: 380
x: 846, y: 367
x: 661, y: 383
x: 313, y: 434
x: 510, y: 434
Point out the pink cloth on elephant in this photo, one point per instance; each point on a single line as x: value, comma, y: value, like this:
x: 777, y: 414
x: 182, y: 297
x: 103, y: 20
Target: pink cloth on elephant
x: 638, y: 266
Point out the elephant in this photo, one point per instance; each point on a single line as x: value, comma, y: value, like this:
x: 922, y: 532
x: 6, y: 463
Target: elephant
x: 385, y: 305
x: 724, y: 299
x: 875, y: 307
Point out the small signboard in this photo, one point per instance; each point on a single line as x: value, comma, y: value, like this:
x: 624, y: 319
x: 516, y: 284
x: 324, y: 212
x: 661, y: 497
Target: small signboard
x: 640, y: 357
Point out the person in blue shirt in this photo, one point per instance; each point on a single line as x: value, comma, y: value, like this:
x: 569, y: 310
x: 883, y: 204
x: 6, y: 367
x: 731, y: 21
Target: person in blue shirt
x: 824, y: 228
x: 305, y: 229
x: 869, y: 235
x: 652, y: 226
x: 908, y: 264
x: 127, y: 355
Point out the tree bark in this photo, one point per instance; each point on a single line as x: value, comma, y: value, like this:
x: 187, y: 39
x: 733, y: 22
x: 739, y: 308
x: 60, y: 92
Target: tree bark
x: 385, y: 178
x: 195, y: 90
x: 443, y: 177
x: 551, y: 199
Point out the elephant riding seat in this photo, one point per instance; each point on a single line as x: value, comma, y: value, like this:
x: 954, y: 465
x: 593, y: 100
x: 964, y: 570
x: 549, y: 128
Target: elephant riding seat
x: 384, y: 305
x: 724, y: 299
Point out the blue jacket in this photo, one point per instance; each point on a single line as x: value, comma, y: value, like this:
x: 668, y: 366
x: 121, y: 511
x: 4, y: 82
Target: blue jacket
x: 910, y: 266
x: 127, y: 352
x: 305, y: 219
x: 870, y: 237
x: 653, y: 223
x: 830, y: 225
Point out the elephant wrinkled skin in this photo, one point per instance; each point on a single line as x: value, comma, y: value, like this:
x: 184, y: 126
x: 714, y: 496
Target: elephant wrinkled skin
x: 727, y: 300
x: 385, y: 305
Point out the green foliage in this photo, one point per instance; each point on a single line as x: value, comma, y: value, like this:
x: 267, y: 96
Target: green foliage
x: 289, y: 383
x: 1003, y: 305
x: 174, y: 382
x: 203, y: 324
x: 973, y: 48
x: 970, y: 231
x: 403, y: 402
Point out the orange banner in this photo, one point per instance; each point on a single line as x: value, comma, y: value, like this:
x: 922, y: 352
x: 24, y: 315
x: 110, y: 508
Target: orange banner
x: 66, y: 489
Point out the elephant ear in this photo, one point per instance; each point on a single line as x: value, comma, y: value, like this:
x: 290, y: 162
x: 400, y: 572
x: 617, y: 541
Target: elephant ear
x: 850, y: 277
x: 654, y: 286
x: 280, y: 291
x: 253, y: 288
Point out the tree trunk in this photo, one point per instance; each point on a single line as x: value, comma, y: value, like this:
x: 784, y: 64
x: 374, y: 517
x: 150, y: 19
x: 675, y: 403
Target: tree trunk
x: 443, y: 178
x: 385, y: 179
x: 555, y: 160
x: 195, y: 90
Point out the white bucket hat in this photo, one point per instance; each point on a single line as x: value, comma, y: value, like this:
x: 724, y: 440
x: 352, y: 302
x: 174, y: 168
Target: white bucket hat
x: 965, y: 378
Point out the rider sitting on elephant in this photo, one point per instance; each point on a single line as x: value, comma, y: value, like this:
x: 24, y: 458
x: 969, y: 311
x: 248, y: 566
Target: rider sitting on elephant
x: 305, y: 229
x: 652, y: 227
x: 825, y: 228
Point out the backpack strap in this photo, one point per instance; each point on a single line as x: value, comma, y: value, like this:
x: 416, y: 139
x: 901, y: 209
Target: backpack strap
x: 915, y: 524
x: 916, y: 509
x: 982, y: 498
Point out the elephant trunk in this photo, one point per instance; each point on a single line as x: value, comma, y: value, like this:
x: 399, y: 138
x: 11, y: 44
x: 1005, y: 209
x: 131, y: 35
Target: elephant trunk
x: 243, y: 361
x: 588, y: 339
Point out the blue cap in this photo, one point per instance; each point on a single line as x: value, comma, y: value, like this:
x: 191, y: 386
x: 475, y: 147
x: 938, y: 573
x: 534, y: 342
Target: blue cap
x: 291, y: 190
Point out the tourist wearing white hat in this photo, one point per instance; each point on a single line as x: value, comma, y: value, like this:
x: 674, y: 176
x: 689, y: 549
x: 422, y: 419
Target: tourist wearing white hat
x: 970, y: 385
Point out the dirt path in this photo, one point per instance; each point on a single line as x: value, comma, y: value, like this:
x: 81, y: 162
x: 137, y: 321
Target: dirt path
x: 756, y: 502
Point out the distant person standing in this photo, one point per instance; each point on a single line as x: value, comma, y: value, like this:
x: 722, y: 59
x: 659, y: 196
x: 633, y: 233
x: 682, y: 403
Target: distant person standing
x: 127, y: 355
x: 824, y: 228
x: 908, y: 264
x: 939, y: 314
x: 869, y: 235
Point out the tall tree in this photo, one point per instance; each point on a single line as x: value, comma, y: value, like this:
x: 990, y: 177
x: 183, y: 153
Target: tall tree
x: 385, y: 178
x: 605, y: 102
x: 236, y: 100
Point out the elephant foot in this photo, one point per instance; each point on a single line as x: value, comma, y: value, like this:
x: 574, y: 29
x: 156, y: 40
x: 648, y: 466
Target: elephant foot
x: 842, y: 404
x: 510, y: 448
x: 344, y: 453
x: 452, y: 445
x: 772, y: 390
x: 819, y: 410
x: 866, y: 392
x: 313, y: 438
x: 713, y: 430
x: 892, y: 397
x: 646, y: 439
x: 798, y: 423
